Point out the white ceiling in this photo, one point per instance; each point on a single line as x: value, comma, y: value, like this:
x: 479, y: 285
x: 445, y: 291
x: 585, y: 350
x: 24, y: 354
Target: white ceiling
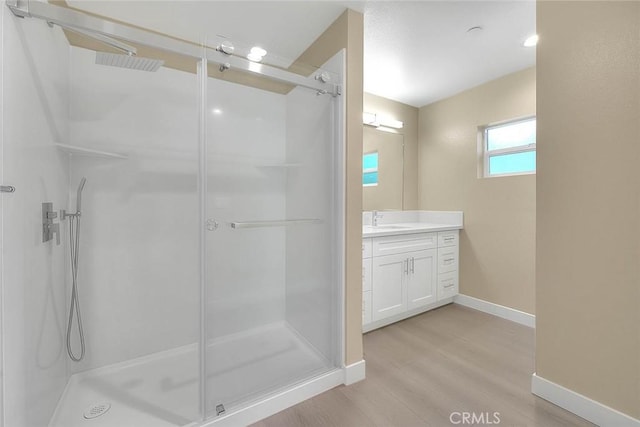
x: 416, y: 52
x: 420, y: 52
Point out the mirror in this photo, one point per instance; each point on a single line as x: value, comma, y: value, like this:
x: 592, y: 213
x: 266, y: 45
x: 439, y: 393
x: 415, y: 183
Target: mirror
x: 383, y: 160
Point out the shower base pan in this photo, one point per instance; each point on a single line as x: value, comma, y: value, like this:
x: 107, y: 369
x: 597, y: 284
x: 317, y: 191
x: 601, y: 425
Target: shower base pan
x: 161, y: 389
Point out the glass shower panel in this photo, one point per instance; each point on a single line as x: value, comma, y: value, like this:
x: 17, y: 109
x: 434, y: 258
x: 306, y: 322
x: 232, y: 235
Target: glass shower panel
x: 271, y: 307
x: 133, y: 136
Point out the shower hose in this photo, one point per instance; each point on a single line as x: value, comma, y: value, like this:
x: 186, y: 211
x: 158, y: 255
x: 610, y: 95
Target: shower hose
x: 74, y: 244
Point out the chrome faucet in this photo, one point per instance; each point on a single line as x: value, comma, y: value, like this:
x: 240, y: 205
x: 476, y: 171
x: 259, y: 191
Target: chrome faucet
x: 375, y: 216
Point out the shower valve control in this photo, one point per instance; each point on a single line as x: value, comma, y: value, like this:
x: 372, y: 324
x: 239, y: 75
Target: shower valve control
x: 212, y: 225
x: 49, y: 228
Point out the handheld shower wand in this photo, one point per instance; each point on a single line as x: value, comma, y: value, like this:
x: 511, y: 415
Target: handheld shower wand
x: 64, y: 214
x: 83, y: 181
x: 74, y: 245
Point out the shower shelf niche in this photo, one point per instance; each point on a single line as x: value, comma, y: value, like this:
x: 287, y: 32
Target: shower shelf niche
x: 82, y: 151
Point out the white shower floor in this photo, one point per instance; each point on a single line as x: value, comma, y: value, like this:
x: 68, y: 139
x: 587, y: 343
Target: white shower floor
x: 161, y: 389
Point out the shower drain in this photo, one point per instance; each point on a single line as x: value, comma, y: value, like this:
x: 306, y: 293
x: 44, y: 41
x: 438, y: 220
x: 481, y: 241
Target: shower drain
x: 96, y: 410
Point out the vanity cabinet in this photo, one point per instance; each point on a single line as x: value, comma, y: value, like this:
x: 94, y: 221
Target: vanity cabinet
x: 404, y: 275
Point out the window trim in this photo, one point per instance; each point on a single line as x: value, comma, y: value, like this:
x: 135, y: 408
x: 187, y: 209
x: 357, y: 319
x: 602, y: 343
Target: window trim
x: 487, y: 154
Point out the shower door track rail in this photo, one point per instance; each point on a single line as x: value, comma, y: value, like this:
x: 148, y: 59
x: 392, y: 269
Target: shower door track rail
x: 73, y: 19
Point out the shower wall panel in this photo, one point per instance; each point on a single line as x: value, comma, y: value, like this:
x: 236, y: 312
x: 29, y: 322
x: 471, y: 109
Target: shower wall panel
x: 34, y: 117
x: 138, y: 275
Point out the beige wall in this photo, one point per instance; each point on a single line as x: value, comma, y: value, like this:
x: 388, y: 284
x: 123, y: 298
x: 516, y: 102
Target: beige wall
x: 497, y: 245
x: 588, y: 215
x: 408, y: 115
x: 348, y: 32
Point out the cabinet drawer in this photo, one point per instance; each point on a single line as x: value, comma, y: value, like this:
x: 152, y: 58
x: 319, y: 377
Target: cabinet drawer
x: 448, y: 238
x: 366, y: 248
x: 390, y: 245
x: 366, y: 274
x: 447, y: 285
x: 447, y: 259
x: 366, y: 307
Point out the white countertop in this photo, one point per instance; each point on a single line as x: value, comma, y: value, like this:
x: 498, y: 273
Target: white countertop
x: 405, y: 228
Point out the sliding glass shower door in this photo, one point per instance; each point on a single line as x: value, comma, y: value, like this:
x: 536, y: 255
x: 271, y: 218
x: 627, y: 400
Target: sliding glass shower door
x: 209, y: 265
x: 271, y: 290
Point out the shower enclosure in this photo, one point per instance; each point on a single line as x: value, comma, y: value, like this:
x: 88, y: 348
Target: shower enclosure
x: 209, y: 266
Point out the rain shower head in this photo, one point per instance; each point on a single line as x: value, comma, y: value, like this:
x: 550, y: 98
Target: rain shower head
x: 83, y: 181
x: 131, y: 62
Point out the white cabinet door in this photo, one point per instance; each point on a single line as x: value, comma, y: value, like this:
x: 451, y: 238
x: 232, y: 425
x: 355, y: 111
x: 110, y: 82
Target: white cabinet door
x: 366, y: 307
x: 389, y: 287
x: 366, y: 274
x: 421, y: 284
x: 367, y: 246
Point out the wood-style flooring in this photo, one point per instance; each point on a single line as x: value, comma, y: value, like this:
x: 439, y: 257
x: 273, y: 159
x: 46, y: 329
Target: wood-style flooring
x: 423, y: 369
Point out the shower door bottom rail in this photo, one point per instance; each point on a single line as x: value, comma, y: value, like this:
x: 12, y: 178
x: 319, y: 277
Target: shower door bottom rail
x: 275, y: 223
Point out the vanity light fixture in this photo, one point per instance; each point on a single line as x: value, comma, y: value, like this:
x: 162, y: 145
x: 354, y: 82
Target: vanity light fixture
x: 256, y: 54
x: 372, y: 119
x: 531, y: 41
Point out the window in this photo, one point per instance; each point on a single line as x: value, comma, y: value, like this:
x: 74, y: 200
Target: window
x: 510, y: 148
x: 370, y: 169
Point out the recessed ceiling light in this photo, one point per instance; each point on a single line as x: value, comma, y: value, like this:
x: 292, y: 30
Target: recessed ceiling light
x: 216, y: 111
x: 258, y: 51
x: 256, y: 54
x: 531, y: 41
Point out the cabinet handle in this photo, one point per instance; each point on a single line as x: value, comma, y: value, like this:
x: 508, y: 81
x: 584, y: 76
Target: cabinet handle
x: 449, y: 259
x: 448, y: 286
x: 448, y: 239
x: 406, y: 266
x: 412, y: 265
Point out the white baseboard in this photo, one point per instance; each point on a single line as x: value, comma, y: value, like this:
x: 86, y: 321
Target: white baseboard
x: 354, y: 372
x: 508, y: 313
x: 580, y: 405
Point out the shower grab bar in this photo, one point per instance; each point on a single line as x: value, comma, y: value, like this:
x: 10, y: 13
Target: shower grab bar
x: 275, y: 223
